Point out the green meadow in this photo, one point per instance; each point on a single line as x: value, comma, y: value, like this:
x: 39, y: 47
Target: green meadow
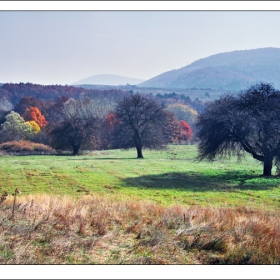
x: 172, y: 176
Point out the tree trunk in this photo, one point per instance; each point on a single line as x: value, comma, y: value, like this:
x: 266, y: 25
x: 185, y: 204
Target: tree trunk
x: 139, y: 152
x: 75, y: 150
x: 267, y: 166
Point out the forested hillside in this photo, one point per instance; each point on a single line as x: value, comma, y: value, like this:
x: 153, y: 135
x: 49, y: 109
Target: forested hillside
x: 234, y: 70
x: 14, y: 92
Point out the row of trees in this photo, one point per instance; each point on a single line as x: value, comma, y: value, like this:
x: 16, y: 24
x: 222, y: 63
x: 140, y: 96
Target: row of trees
x: 235, y: 124
x: 138, y: 121
x: 14, y: 92
x: 46, y: 98
x: 248, y: 121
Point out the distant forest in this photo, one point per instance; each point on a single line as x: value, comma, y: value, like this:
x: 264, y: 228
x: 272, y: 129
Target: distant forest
x: 14, y: 92
x: 69, y: 117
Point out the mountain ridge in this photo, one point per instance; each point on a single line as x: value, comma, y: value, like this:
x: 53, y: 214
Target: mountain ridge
x: 229, y: 70
x: 109, y: 79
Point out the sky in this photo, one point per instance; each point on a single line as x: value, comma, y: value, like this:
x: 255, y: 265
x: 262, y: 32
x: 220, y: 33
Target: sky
x: 62, y: 46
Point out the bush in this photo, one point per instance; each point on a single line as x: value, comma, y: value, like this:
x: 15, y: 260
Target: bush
x: 26, y: 147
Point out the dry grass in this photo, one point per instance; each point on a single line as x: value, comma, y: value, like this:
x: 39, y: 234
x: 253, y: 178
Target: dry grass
x: 98, y: 230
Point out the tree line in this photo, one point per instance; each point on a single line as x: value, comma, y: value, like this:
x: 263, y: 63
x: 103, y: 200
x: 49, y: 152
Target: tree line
x: 14, y: 92
x: 235, y: 124
x: 138, y: 121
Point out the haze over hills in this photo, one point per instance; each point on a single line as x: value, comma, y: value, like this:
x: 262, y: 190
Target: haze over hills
x: 234, y: 70
x: 107, y: 79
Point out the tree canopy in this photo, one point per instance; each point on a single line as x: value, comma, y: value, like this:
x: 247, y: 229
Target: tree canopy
x: 142, y: 123
x: 77, y: 126
x: 15, y: 128
x: 34, y: 114
x: 183, y: 112
x: 186, y: 133
x: 245, y: 122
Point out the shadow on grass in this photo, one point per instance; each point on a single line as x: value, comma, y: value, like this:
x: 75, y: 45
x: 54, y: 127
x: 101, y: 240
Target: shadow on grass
x: 197, y: 182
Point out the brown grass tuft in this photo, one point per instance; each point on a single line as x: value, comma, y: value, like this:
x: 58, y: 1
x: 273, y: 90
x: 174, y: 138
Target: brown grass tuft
x: 100, y: 230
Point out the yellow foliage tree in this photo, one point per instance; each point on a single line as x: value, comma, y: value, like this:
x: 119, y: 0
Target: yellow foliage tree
x: 34, y: 127
x: 183, y: 112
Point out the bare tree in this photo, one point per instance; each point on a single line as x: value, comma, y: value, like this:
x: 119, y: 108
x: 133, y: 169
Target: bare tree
x: 97, y: 108
x: 246, y: 122
x: 77, y: 127
x: 142, y: 123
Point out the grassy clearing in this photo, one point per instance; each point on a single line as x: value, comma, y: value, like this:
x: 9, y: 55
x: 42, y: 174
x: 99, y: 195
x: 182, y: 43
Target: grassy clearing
x: 100, y: 230
x: 110, y: 208
x: 165, y: 177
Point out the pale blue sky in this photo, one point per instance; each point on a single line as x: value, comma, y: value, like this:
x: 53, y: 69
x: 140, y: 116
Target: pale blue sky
x: 62, y: 47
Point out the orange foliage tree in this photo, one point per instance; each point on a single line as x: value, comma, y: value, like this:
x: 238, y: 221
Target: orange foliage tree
x: 34, y: 114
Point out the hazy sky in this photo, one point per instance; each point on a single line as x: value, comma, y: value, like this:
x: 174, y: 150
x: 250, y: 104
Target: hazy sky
x: 62, y: 47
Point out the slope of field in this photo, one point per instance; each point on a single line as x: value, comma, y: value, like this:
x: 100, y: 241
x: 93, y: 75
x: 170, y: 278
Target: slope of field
x: 165, y: 177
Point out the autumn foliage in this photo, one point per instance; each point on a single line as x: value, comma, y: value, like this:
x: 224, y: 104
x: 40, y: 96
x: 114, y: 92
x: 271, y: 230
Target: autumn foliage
x: 34, y: 114
x: 105, y: 230
x: 150, y: 122
x: 107, y: 133
x: 25, y: 147
x: 186, y: 133
x: 34, y: 127
x: 111, y: 120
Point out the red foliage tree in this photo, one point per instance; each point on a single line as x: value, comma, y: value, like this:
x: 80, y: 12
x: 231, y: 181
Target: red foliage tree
x: 34, y: 114
x: 109, y: 125
x: 111, y: 120
x: 186, y: 133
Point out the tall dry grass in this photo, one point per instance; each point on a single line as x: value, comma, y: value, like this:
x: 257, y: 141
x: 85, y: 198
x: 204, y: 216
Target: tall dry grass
x: 100, y: 230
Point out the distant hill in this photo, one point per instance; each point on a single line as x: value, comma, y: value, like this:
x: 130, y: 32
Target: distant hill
x: 234, y: 70
x: 110, y: 80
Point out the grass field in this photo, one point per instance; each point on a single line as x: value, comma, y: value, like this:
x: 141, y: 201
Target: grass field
x: 111, y: 208
x: 166, y: 177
